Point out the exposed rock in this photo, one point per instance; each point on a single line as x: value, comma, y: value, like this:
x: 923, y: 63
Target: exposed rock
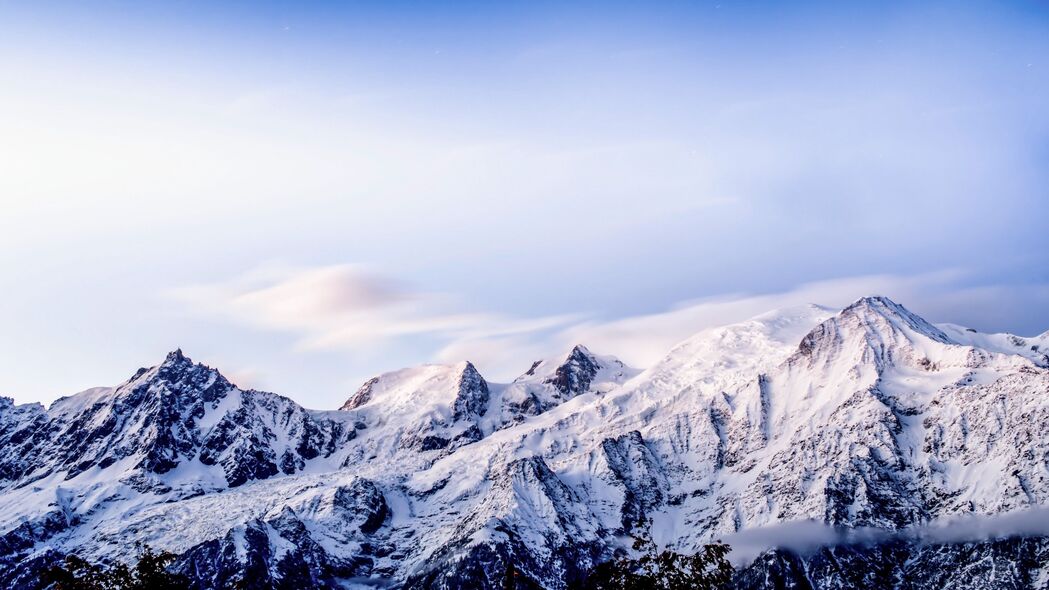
x: 433, y: 477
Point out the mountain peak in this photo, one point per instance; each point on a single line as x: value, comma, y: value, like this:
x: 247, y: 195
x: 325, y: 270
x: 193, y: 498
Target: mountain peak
x: 175, y: 356
x: 362, y: 396
x: 869, y: 422
x: 576, y: 371
x: 898, y: 316
x: 874, y: 300
x: 473, y: 395
x: 574, y: 375
x: 579, y: 351
x: 878, y: 304
x: 174, y: 363
x: 469, y: 370
x: 413, y: 389
x: 873, y: 329
x: 881, y: 305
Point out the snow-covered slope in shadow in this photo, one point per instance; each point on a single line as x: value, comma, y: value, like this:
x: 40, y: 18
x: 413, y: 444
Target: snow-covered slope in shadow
x: 433, y: 477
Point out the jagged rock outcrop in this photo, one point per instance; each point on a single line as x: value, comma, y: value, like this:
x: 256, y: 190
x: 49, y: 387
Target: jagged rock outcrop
x: 574, y: 375
x: 434, y: 477
x: 173, y: 414
x: 550, y: 382
x: 629, y: 465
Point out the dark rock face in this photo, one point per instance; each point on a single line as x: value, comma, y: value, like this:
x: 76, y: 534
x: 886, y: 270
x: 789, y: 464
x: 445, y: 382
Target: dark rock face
x: 483, y: 567
x: 20, y: 563
x: 27, y: 573
x: 1005, y: 564
x: 154, y: 420
x: 557, y: 523
x: 21, y: 429
x: 549, y: 383
x: 472, y: 398
x: 151, y: 418
x: 638, y: 472
x: 528, y: 405
x: 875, y: 419
x: 362, y: 395
x: 243, y: 440
x: 873, y: 481
x: 574, y: 376
x: 531, y: 370
x: 275, y: 555
x: 363, y: 504
x: 836, y: 567
x: 281, y: 553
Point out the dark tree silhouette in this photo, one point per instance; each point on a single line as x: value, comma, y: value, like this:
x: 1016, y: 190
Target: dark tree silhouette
x: 515, y: 579
x: 706, y: 570
x: 150, y: 573
x: 510, y: 577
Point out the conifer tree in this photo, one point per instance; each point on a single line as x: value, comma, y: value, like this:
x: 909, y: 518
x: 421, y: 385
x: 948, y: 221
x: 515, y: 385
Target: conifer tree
x: 654, y: 570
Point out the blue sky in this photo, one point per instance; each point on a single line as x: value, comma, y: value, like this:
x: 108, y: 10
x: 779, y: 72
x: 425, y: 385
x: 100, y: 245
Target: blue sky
x: 305, y: 194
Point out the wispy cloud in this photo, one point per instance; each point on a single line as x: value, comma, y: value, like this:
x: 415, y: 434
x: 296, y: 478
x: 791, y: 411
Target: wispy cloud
x: 354, y: 308
x: 940, y: 296
x: 644, y: 339
x: 351, y: 307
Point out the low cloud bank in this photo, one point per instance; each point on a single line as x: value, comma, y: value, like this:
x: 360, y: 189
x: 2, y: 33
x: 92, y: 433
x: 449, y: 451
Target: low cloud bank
x: 806, y: 537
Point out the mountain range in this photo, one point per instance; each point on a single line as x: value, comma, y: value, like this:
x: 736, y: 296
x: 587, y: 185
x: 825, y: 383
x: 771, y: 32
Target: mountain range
x: 830, y: 448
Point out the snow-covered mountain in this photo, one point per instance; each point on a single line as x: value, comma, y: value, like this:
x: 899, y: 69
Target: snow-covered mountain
x: 863, y: 419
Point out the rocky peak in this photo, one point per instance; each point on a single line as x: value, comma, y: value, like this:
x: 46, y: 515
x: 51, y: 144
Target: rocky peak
x: 878, y: 312
x: 179, y: 375
x: 531, y: 370
x: 579, y: 354
x: 420, y: 398
x: 175, y: 356
x: 574, y: 375
x: 473, y: 394
x: 362, y: 396
x: 724, y: 437
x: 873, y: 330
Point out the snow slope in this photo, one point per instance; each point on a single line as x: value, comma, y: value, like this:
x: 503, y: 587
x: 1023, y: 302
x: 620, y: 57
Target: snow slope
x: 432, y: 477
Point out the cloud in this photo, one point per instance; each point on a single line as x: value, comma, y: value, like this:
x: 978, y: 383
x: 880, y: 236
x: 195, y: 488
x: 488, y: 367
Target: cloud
x: 808, y: 536
x: 940, y: 296
x: 245, y: 378
x: 350, y: 307
x: 642, y: 340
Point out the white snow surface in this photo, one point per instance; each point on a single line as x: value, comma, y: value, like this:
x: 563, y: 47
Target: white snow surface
x: 867, y: 417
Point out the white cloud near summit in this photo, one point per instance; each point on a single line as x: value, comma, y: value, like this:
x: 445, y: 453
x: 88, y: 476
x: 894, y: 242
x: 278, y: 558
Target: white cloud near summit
x: 348, y: 307
x: 352, y: 308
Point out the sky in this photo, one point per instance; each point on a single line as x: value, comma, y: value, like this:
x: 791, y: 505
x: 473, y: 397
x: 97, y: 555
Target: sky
x: 306, y: 194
